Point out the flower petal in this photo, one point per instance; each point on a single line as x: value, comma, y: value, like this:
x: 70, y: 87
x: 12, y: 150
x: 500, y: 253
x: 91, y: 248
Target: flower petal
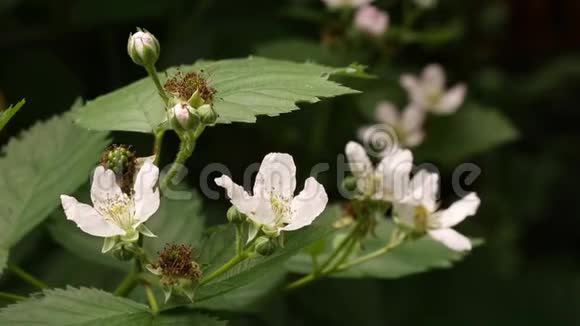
x: 433, y: 78
x: 277, y: 175
x: 358, y: 160
x: 394, y: 170
x: 88, y: 219
x: 104, y: 186
x: 424, y: 190
x: 308, y: 205
x: 414, y: 89
x: 458, y: 211
x: 245, y: 203
x: 387, y: 113
x: 452, y: 100
x: 405, y: 212
x: 451, y: 238
x: 412, y: 118
x: 146, y: 193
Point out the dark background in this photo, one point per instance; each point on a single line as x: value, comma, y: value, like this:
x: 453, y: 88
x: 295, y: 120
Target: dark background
x: 521, y: 57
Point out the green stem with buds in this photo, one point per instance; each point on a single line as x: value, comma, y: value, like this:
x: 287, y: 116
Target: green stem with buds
x: 231, y: 263
x: 396, y: 239
x: 153, y: 74
x: 11, y: 296
x: 186, y: 148
x: 23, y: 275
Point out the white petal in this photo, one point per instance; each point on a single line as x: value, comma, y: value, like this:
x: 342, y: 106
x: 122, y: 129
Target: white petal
x: 238, y: 196
x: 88, y: 219
x: 452, y: 239
x: 308, y: 205
x: 452, y: 100
x: 277, y: 175
x: 358, y: 160
x: 146, y: 194
x: 458, y: 211
x: 414, y: 89
x: 394, y: 170
x: 433, y: 78
x: 387, y: 113
x: 424, y: 189
x: 415, y: 138
x: 104, y: 186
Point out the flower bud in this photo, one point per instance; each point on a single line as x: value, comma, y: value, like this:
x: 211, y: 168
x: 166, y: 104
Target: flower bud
x: 349, y: 184
x: 143, y: 48
x: 124, y: 251
x: 425, y: 4
x: 371, y: 20
x: 264, y: 246
x: 234, y: 216
x: 183, y: 117
x: 207, y: 114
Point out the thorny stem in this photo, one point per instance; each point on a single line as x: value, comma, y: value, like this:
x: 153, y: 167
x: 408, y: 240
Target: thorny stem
x: 152, y: 299
x: 186, y: 148
x: 11, y: 296
x: 22, y: 274
x: 153, y: 74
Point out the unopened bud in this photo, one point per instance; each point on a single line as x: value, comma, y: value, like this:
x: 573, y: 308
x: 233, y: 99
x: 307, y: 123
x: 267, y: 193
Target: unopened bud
x: 183, y: 117
x: 265, y: 246
x: 124, y: 251
x: 143, y: 48
x: 349, y: 183
x: 207, y: 114
x: 235, y: 216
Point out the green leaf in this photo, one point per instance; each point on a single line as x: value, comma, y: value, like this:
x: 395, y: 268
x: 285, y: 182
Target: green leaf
x: 84, y: 306
x: 472, y: 130
x: 410, y: 258
x: 245, y: 88
x: 7, y: 114
x: 176, y: 221
x: 220, y: 246
x: 51, y: 158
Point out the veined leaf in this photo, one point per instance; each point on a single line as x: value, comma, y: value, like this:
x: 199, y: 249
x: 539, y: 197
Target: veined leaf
x: 84, y: 306
x: 411, y: 258
x: 7, y: 114
x: 52, y: 158
x: 245, y: 88
x: 472, y: 130
x: 220, y: 246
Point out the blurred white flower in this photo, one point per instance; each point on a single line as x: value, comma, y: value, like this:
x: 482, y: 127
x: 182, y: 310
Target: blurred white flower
x: 115, y: 213
x: 334, y: 4
x: 420, y: 211
x: 428, y: 91
x: 371, y: 20
x: 425, y: 4
x: 407, y: 125
x: 388, y: 181
x: 273, y: 206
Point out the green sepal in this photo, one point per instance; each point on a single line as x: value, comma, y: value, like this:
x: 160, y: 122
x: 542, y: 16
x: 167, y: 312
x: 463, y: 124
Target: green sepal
x: 144, y: 230
x: 109, y: 243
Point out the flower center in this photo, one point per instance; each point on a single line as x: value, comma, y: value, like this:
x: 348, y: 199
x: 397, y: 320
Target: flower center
x: 421, y: 218
x: 281, y: 209
x: 119, y: 211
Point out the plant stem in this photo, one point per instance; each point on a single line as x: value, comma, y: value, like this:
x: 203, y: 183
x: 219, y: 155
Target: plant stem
x: 185, y: 150
x: 225, y: 267
x: 158, y: 144
x: 153, y: 74
x: 152, y: 299
x: 127, y: 285
x: 396, y: 239
x: 11, y: 296
x: 239, y: 238
x: 27, y: 277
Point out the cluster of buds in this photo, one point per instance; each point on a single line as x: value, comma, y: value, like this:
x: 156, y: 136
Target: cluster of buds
x: 264, y: 245
x: 191, y: 103
x: 177, y: 270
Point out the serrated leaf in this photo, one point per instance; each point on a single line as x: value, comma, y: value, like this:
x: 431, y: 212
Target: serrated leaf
x: 410, y: 258
x: 472, y: 130
x: 176, y: 221
x: 254, y: 269
x: 84, y: 306
x: 7, y: 114
x: 52, y: 158
x: 245, y: 89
